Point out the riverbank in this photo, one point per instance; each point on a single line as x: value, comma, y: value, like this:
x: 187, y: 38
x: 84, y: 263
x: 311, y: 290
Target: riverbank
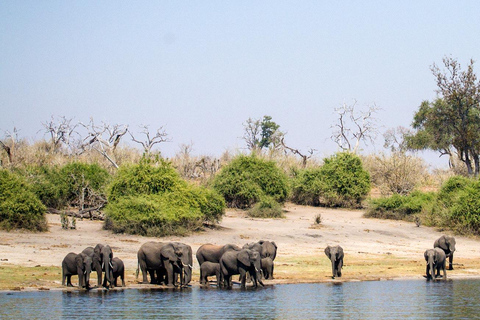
x: 374, y: 249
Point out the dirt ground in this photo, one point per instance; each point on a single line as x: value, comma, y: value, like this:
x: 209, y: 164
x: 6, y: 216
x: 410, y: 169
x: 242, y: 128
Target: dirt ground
x: 374, y: 249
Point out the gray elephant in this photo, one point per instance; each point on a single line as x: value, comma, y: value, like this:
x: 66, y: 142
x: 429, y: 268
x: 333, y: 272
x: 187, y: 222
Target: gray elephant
x: 447, y: 244
x: 77, y: 264
x: 213, y: 253
x: 436, y: 261
x: 208, y: 269
x: 241, y: 262
x: 118, y: 270
x: 102, y: 256
x: 335, y: 254
x: 267, y: 268
x: 256, y: 246
x: 163, y: 261
x: 269, y: 249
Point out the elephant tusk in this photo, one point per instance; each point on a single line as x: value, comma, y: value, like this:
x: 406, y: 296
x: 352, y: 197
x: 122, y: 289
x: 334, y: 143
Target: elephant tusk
x: 187, y: 265
x: 103, y: 265
x: 85, y: 272
x: 110, y: 264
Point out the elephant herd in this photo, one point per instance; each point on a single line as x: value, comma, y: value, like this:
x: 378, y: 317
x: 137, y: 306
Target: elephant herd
x: 171, y: 263
x: 99, y: 259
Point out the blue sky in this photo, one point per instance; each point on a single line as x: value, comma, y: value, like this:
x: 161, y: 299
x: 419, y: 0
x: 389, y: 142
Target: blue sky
x: 200, y: 69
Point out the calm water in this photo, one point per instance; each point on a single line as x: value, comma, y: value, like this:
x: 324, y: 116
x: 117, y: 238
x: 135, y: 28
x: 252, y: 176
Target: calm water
x: 458, y: 299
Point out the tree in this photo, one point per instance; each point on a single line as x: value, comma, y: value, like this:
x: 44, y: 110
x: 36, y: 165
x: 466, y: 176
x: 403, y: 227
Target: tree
x: 354, y: 126
x: 261, y: 134
x: 149, y: 142
x: 451, y: 124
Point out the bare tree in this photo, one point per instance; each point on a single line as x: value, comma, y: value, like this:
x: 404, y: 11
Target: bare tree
x: 304, y: 157
x: 354, y: 126
x: 9, y: 146
x: 395, y: 139
x: 61, y: 131
x: 104, y: 138
x: 149, y: 142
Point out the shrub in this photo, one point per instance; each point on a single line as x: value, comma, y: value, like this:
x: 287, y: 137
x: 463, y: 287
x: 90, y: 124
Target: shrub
x: 465, y: 211
x: 341, y: 181
x: 20, y: 208
x: 267, y: 207
x: 152, y: 200
x: 47, y: 184
x: 246, y: 179
x: 400, y: 207
x: 144, y: 178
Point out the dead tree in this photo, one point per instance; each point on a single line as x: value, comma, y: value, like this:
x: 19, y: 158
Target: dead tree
x: 149, y: 142
x: 61, y: 131
x: 9, y: 147
x: 354, y: 127
x: 297, y: 152
x: 104, y: 138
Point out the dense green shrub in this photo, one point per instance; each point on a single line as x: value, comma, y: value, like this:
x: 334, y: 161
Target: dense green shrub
x: 47, y: 184
x: 399, y: 206
x: 465, y: 210
x: 341, y: 181
x: 451, y: 188
x: 144, y: 178
x: 246, y: 179
x: 151, y: 199
x: 20, y: 208
x: 307, y: 186
x: 267, y: 207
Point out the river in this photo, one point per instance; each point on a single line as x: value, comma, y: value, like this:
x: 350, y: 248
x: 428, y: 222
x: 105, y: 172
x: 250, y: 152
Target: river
x: 402, y: 299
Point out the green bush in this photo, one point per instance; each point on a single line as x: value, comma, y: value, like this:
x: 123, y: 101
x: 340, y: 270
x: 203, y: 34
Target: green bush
x: 451, y: 188
x: 47, y: 184
x: 20, y: 208
x: 307, y: 187
x: 267, y: 207
x: 341, y: 181
x: 152, y: 200
x: 400, y: 207
x: 144, y: 178
x: 246, y: 179
x: 465, y: 211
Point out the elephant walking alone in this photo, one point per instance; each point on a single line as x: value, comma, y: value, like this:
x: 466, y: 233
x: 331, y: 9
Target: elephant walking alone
x: 447, y: 244
x: 335, y: 254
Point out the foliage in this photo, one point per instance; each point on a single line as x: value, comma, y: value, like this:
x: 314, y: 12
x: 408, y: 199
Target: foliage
x: 144, y: 178
x: 151, y: 199
x: 246, y: 179
x: 20, y: 208
x: 341, y: 181
x: 465, y: 211
x: 267, y: 207
x: 398, y: 206
x: 260, y: 134
x: 451, y: 124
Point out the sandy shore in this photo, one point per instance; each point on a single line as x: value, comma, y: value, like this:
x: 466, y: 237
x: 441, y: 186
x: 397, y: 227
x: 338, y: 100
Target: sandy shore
x: 374, y: 249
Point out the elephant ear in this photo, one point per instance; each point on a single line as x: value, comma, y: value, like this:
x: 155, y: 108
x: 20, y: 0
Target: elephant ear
x: 79, y: 261
x: 327, y: 251
x: 244, y: 257
x: 425, y: 255
x: 340, y: 252
x: 274, y: 244
x: 171, y: 252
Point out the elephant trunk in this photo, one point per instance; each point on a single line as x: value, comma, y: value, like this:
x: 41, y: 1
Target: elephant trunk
x: 108, y: 270
x: 334, y: 271
x: 432, y: 270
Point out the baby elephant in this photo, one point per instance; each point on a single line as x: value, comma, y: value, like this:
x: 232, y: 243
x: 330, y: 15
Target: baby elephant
x: 118, y: 270
x: 436, y: 260
x: 267, y: 268
x: 208, y: 269
x: 335, y: 254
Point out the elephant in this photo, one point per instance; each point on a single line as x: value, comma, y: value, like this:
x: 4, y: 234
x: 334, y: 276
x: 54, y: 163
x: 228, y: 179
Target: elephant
x: 208, y: 269
x: 164, y: 261
x: 269, y: 249
x: 267, y: 268
x: 447, y: 244
x: 335, y: 254
x: 256, y: 246
x: 77, y: 264
x: 240, y: 262
x: 436, y: 260
x: 118, y: 270
x: 102, y: 256
x: 213, y: 253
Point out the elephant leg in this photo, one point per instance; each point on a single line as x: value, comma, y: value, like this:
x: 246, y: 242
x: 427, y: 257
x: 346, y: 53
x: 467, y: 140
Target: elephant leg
x: 69, y: 281
x: 228, y: 281
x: 170, y: 275
x: 450, y: 262
x: 243, y: 276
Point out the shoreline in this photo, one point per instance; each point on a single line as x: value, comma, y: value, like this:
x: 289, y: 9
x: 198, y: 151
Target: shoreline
x: 375, y: 250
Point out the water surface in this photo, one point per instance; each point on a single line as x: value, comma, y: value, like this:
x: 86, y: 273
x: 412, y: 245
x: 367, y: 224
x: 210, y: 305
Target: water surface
x: 457, y: 299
